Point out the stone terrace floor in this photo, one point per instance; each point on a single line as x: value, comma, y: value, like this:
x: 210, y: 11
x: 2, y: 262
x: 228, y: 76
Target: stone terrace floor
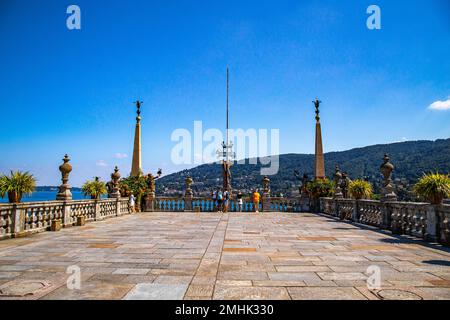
x: 222, y: 256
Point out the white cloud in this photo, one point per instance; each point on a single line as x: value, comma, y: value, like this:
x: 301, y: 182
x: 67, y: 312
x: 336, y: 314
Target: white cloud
x: 120, y: 156
x: 101, y: 163
x: 440, y: 105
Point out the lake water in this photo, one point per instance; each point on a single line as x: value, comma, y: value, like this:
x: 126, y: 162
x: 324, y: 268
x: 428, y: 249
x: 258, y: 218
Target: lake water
x: 46, y: 196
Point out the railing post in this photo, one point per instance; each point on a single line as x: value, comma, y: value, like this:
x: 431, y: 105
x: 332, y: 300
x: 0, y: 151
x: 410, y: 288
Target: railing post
x: 118, y: 207
x: 97, y: 210
x: 355, y: 214
x: 432, y: 223
x: 266, y: 194
x: 18, y: 220
x: 66, y: 220
x: 443, y: 224
x: 386, y: 214
x: 150, y: 202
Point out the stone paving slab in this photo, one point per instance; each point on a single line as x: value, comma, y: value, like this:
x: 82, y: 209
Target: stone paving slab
x: 223, y: 256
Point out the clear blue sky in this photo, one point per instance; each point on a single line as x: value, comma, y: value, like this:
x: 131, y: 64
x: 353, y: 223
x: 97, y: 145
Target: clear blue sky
x: 71, y: 92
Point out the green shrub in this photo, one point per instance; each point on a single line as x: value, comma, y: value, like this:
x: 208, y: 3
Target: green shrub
x: 95, y: 189
x: 433, y: 187
x: 360, y: 189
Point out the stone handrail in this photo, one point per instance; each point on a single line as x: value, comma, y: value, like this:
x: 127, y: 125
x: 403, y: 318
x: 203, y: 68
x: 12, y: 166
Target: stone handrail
x: 421, y: 220
x: 21, y: 219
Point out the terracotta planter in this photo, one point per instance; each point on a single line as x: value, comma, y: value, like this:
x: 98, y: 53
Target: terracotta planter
x: 14, y: 197
x: 436, y: 199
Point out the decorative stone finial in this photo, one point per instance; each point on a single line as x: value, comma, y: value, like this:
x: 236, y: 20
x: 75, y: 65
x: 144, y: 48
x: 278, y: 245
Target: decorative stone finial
x: 64, y: 190
x: 266, y: 185
x: 188, y: 181
x: 113, y: 185
x: 388, y: 189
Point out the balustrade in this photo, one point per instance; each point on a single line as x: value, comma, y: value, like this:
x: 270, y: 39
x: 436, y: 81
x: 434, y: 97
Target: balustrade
x: 31, y: 217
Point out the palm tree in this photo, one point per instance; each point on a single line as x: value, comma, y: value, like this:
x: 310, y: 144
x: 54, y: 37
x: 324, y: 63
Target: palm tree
x: 360, y: 189
x: 16, y: 185
x: 433, y: 187
x: 95, y: 189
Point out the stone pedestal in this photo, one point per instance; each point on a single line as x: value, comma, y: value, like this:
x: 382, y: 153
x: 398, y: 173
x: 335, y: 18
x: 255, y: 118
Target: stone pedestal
x: 56, y: 225
x: 266, y: 202
x: 81, y: 221
x: 150, y: 202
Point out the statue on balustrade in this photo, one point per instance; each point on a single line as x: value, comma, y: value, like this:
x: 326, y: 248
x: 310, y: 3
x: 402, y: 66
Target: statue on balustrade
x: 337, y: 183
x: 345, y: 183
x: 151, y: 181
x: 304, y: 181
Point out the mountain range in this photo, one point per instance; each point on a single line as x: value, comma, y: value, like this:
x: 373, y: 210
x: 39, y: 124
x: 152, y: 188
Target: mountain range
x: 411, y: 160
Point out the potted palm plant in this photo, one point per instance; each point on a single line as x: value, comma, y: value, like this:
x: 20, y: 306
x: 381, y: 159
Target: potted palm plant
x: 16, y: 185
x: 433, y: 187
x: 317, y: 189
x: 360, y: 189
x: 94, y: 189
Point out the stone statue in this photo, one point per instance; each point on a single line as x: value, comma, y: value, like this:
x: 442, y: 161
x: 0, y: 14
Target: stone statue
x: 304, y: 181
x: 337, y: 183
x: 317, y: 103
x: 151, y: 181
x: 227, y: 175
x: 345, y: 183
x: 388, y: 189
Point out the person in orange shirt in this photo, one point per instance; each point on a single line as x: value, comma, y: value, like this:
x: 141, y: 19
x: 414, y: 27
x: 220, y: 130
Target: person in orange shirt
x: 256, y: 198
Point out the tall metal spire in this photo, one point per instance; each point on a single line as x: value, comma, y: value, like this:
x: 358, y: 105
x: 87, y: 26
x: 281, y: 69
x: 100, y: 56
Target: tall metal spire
x: 228, y: 106
x: 226, y: 154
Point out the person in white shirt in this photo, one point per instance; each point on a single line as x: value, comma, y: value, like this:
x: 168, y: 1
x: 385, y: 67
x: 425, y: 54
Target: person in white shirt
x: 132, y: 202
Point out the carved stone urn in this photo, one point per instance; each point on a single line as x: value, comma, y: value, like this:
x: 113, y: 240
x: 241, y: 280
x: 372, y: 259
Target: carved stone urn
x: 266, y: 185
x: 388, y: 189
x: 115, y: 177
x: 188, y: 181
x: 64, y: 190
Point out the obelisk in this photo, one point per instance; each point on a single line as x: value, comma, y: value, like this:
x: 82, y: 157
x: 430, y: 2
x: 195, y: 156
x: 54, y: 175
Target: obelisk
x: 136, y: 166
x: 319, y: 170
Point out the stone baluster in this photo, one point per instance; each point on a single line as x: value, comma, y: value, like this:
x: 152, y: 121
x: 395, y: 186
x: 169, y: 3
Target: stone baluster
x: 18, y: 221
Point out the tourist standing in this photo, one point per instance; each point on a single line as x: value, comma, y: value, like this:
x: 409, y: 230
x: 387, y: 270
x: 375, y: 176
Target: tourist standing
x: 132, y: 203
x: 240, y: 201
x: 226, y: 200
x: 219, y: 200
x: 214, y: 199
x: 256, y: 198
